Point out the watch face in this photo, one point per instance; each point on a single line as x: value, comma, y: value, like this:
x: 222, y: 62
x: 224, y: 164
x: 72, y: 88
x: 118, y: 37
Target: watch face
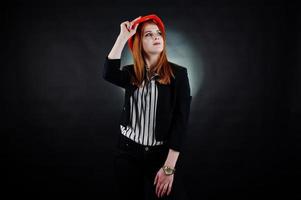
x: 168, y: 171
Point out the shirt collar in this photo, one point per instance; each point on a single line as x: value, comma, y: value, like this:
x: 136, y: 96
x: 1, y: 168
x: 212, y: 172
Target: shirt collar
x: 154, y: 75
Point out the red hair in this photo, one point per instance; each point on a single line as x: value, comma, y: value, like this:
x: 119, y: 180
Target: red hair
x: 162, y: 67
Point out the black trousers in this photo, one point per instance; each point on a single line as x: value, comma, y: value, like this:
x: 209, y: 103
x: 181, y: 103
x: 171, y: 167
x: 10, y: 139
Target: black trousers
x: 135, y: 168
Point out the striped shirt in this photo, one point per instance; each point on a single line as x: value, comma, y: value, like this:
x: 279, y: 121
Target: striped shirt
x: 143, y: 104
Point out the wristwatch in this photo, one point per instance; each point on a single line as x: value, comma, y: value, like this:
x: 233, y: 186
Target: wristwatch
x: 168, y: 170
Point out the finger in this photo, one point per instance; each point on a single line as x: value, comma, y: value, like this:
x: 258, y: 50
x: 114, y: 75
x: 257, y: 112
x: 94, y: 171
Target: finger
x: 126, y: 24
x: 155, y: 179
x: 136, y: 26
x: 129, y: 25
x: 157, y: 189
x: 161, y: 190
x: 165, y: 189
x: 169, y: 188
x: 157, y: 193
x: 134, y: 22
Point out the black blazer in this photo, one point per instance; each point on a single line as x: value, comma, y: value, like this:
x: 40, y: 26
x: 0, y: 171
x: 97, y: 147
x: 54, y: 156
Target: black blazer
x: 173, y: 104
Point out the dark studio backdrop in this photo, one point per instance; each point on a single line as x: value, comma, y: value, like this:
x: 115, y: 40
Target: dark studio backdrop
x: 62, y: 117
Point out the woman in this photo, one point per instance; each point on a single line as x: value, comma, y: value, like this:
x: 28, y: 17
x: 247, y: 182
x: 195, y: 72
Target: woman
x: 155, y: 112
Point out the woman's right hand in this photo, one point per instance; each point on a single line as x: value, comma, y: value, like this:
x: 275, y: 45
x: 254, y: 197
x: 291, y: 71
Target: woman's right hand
x: 126, y: 29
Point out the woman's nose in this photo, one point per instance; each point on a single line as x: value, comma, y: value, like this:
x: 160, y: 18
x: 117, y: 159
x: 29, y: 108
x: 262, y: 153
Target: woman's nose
x: 156, y: 36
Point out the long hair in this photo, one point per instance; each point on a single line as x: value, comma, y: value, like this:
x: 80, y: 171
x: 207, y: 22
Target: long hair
x: 162, y: 67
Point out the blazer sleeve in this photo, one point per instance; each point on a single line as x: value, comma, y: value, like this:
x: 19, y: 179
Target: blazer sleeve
x: 113, y: 74
x: 181, y: 112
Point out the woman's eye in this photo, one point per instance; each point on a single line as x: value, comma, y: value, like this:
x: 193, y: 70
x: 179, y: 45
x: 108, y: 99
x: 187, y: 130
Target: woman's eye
x: 150, y: 34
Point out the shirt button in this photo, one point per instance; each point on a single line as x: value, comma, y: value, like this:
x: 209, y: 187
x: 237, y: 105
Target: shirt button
x: 146, y: 148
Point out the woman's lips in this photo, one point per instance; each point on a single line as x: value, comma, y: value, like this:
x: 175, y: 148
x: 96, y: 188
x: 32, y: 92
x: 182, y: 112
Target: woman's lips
x: 157, y: 43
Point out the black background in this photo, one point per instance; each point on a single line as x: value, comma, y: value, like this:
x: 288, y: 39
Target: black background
x: 62, y: 117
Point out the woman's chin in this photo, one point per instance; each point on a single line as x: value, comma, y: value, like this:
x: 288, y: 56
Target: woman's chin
x: 156, y: 51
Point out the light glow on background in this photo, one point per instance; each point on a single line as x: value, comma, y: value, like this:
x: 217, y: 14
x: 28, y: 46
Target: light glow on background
x: 179, y: 51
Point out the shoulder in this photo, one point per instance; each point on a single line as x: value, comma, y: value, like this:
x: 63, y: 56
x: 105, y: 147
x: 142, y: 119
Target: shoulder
x: 177, y: 68
x: 179, y: 71
x: 129, y: 68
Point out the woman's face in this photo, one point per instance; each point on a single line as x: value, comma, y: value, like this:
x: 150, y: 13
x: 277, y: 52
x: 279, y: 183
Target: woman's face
x: 151, y: 36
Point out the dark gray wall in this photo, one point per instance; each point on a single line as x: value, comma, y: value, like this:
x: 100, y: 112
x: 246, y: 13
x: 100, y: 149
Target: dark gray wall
x: 62, y: 117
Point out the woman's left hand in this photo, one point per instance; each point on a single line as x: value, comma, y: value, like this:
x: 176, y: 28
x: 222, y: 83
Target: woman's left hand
x: 164, y: 183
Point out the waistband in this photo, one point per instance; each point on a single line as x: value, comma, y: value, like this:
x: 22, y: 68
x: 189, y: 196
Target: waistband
x: 126, y: 143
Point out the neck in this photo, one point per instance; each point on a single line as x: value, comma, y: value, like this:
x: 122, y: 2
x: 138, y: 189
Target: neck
x: 152, y: 60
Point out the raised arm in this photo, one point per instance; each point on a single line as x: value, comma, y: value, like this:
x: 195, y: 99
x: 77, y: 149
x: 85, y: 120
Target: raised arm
x: 111, y: 71
x: 116, y: 51
x: 126, y: 31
